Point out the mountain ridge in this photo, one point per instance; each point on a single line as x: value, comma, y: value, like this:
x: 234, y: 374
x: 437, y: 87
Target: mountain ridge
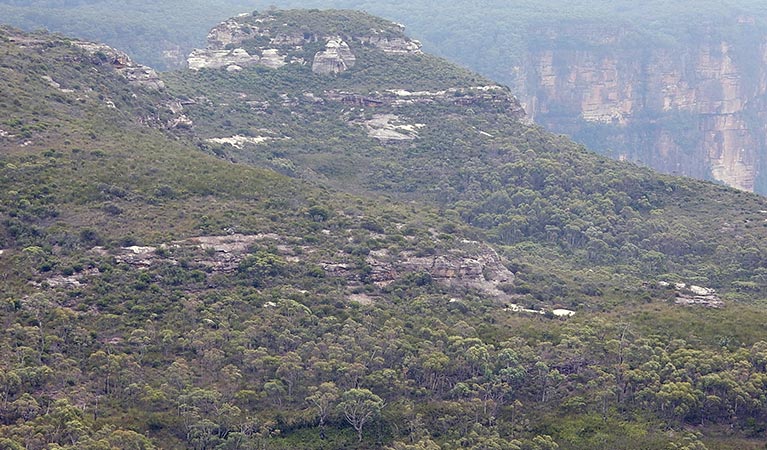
x: 394, y: 237
x: 432, y: 130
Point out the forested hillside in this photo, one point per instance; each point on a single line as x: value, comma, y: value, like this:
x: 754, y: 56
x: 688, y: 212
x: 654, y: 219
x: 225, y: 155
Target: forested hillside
x: 364, y: 247
x: 489, y: 36
x: 672, y: 86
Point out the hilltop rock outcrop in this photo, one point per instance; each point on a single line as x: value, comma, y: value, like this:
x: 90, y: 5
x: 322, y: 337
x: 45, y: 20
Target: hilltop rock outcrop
x: 136, y: 74
x: 336, y: 58
x: 264, y: 39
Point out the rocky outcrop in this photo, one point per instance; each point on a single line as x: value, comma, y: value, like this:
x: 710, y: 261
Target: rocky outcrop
x: 264, y: 39
x: 691, y: 295
x: 229, y: 33
x: 112, y: 65
x: 467, y: 265
x: 693, y: 108
x: 136, y: 74
x: 393, y: 46
x: 494, y: 97
x: 390, y: 128
x: 336, y: 58
x: 217, y: 59
x: 474, y: 266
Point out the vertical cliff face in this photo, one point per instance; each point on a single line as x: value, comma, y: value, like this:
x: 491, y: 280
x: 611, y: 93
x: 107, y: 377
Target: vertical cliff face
x: 693, y: 107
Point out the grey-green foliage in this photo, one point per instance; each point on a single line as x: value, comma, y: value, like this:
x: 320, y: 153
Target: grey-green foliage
x: 484, y: 35
x: 178, y: 354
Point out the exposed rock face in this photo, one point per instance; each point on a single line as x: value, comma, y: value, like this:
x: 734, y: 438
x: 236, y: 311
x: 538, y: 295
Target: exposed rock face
x: 493, y: 96
x: 228, y: 32
x: 392, y: 45
x: 697, y: 109
x: 249, y: 40
x: 475, y: 266
x: 217, y: 59
x: 389, y: 127
x: 336, y: 58
x: 691, y: 295
x: 468, y: 265
x: 271, y: 57
x: 239, y: 141
x: 396, y: 129
x: 136, y: 74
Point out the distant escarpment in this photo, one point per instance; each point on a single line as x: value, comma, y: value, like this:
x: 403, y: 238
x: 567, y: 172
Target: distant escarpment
x: 278, y: 38
x: 693, y: 106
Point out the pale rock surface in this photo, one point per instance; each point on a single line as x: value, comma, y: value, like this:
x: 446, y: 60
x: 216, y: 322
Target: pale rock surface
x: 692, y: 295
x: 136, y: 74
x: 469, y: 265
x: 228, y: 32
x: 238, y: 141
x: 400, y: 46
x: 390, y: 128
x: 475, y: 266
x: 336, y: 58
x: 231, y: 43
x: 217, y: 59
x: 271, y: 57
x: 712, y: 87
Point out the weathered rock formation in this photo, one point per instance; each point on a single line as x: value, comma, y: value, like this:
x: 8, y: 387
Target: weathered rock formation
x: 468, y: 265
x: 390, y: 128
x: 216, y: 59
x: 397, y: 45
x: 691, y: 295
x: 136, y: 74
x: 336, y: 58
x: 100, y: 54
x: 692, y: 108
x: 492, y: 97
x: 264, y: 39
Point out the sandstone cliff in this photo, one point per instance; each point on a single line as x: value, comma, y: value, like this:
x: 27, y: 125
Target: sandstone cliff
x: 693, y: 107
x: 273, y: 40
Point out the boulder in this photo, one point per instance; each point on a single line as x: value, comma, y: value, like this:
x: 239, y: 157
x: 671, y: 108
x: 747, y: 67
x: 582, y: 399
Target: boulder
x: 336, y: 58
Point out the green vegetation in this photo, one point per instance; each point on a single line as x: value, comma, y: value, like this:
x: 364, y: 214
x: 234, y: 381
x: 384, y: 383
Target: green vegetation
x: 130, y: 321
x: 525, y: 188
x: 328, y: 22
x: 487, y: 36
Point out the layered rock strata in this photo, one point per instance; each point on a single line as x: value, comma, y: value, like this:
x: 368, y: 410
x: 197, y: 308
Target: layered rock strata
x: 249, y: 40
x: 693, y: 108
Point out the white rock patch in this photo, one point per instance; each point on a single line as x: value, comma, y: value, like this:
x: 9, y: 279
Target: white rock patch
x: 336, y: 58
x: 389, y: 127
x: 240, y: 141
x: 216, y: 59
